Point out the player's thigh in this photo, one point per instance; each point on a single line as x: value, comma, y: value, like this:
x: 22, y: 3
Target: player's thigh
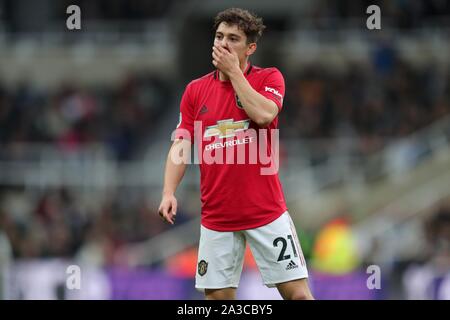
x: 277, y: 251
x: 220, y: 259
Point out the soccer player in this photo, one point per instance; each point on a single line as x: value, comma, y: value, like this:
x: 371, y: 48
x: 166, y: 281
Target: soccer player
x: 240, y: 203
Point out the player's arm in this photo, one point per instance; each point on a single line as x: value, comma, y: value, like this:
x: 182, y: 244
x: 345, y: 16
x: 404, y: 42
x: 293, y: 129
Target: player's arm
x: 260, y: 109
x: 174, y: 172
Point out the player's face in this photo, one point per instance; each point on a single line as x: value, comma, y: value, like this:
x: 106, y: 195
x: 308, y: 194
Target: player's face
x: 231, y: 37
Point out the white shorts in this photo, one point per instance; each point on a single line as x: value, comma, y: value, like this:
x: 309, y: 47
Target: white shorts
x: 275, y: 247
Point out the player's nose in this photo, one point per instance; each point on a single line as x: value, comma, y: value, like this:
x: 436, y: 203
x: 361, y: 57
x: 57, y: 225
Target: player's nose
x: 222, y: 43
x: 225, y: 46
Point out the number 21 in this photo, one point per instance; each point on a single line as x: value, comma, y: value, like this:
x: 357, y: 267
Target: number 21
x: 283, y: 241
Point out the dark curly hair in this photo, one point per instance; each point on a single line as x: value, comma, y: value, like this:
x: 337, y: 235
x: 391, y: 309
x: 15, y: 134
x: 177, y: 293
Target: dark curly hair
x: 248, y: 22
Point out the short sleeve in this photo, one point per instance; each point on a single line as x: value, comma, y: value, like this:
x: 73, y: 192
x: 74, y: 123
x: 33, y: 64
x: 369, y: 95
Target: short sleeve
x: 273, y: 87
x: 185, y: 126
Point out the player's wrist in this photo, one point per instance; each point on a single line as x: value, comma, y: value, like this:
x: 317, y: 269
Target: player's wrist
x: 235, y: 72
x: 168, y: 193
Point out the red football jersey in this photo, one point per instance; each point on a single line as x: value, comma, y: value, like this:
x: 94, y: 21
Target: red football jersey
x: 233, y: 151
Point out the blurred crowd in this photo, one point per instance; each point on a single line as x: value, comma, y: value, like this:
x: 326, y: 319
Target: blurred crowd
x: 70, y: 117
x: 65, y: 223
x: 405, y: 15
x: 321, y: 14
x: 428, y: 277
x: 374, y: 103
x: 12, y: 11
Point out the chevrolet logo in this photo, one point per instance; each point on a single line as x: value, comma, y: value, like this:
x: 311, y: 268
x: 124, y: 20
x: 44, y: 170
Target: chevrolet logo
x: 226, y: 128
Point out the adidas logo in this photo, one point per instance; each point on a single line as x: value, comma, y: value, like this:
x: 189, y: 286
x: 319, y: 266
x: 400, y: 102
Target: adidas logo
x: 291, y: 265
x: 203, y: 110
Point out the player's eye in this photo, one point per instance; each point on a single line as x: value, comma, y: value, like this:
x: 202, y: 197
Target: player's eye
x: 218, y: 36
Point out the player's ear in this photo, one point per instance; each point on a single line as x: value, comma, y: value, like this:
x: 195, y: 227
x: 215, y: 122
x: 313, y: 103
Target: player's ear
x: 251, y: 49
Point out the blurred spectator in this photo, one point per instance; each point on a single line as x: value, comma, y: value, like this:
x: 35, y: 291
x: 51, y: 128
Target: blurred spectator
x: 431, y: 280
x: 335, y: 249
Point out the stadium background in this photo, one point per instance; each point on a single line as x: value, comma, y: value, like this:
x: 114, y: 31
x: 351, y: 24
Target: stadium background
x: 85, y: 123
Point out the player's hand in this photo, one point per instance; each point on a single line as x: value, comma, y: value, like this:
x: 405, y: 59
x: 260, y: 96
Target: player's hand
x: 226, y: 60
x: 168, y: 208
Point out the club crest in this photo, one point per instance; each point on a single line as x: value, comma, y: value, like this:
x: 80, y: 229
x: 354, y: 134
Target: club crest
x: 202, y: 267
